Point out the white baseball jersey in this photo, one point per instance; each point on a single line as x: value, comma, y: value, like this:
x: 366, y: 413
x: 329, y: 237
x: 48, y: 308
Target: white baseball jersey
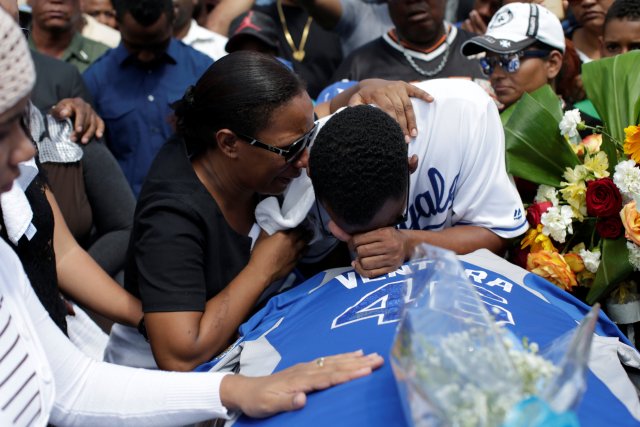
x: 461, y: 176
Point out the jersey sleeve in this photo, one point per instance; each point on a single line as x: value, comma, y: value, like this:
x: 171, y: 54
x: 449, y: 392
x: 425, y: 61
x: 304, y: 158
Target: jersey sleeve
x: 486, y: 196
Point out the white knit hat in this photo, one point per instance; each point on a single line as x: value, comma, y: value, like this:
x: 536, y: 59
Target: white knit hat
x: 17, y: 75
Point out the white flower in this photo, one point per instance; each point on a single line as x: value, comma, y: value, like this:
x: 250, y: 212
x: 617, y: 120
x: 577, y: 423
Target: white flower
x: 634, y: 255
x: 627, y: 179
x: 546, y: 193
x: 591, y: 259
x: 557, y: 222
x: 569, y: 125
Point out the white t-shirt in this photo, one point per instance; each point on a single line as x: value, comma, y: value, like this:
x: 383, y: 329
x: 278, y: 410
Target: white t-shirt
x: 206, y: 41
x: 50, y: 380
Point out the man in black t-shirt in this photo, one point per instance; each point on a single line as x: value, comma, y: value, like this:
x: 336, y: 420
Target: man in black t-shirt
x: 422, y: 46
x: 314, y: 52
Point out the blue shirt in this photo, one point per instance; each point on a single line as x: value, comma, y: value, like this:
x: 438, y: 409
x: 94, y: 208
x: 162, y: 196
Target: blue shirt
x: 134, y: 102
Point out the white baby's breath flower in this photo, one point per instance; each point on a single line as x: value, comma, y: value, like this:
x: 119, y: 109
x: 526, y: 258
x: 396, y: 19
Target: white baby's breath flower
x: 591, y: 259
x: 569, y: 125
x: 546, y: 193
x: 634, y: 255
x: 557, y: 222
x: 627, y: 179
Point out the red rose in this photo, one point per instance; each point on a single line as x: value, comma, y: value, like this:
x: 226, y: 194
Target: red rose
x: 603, y: 198
x: 535, y: 211
x: 609, y: 227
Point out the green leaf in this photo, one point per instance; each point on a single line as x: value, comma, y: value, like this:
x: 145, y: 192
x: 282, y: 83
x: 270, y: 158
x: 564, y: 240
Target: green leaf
x: 609, y: 148
x: 614, y: 268
x: 535, y: 149
x: 613, y: 85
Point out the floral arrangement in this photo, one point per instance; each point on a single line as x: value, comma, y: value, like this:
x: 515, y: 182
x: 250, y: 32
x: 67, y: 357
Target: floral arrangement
x: 467, y: 403
x: 584, y: 216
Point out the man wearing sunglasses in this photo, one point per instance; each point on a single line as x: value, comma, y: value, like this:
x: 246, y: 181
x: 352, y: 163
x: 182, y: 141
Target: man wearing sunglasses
x: 523, y: 48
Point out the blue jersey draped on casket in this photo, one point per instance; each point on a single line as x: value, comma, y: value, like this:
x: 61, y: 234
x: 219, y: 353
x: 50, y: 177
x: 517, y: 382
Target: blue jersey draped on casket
x: 339, y: 311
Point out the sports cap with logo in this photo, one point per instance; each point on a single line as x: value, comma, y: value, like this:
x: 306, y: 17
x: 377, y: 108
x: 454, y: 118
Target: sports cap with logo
x: 252, y: 24
x: 515, y: 27
x: 17, y: 75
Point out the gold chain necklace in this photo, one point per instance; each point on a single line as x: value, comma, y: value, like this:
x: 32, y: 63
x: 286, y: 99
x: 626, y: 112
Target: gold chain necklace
x: 298, y: 53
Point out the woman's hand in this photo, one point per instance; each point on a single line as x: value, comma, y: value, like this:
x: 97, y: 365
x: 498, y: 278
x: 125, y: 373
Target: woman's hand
x: 287, y: 390
x: 277, y: 255
x: 393, y: 97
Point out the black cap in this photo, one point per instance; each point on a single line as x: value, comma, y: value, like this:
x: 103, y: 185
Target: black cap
x: 252, y: 24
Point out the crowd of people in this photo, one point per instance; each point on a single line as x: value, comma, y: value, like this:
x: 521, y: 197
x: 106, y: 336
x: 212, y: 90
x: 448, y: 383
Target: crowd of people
x: 169, y: 165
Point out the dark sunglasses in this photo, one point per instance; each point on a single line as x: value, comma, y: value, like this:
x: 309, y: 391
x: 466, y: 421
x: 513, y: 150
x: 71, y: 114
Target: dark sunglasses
x: 511, y: 62
x: 291, y: 151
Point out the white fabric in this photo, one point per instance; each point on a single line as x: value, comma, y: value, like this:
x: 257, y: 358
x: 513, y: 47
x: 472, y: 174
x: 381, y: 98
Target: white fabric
x: 511, y: 22
x: 85, y: 334
x: 299, y: 198
x: 206, y: 41
x: 605, y: 363
x: 16, y: 210
x: 53, y: 138
x: 461, y: 177
x: 461, y: 154
x: 126, y: 347
x: 90, y: 393
x: 99, y: 32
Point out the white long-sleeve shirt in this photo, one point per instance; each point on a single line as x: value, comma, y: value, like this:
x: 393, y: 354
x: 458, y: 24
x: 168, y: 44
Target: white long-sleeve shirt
x: 44, y: 378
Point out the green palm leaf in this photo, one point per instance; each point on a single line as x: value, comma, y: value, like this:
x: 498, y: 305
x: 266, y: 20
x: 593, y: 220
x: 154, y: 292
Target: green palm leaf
x: 614, y: 268
x: 613, y: 86
x: 535, y: 149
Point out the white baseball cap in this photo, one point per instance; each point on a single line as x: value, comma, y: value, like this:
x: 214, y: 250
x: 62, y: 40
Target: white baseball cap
x: 517, y: 26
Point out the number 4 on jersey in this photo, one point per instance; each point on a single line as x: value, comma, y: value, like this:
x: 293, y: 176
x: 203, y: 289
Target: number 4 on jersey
x: 384, y: 303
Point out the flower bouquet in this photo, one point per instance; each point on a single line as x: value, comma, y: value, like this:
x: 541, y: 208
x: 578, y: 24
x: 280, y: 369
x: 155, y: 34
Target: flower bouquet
x: 455, y: 366
x: 584, y: 214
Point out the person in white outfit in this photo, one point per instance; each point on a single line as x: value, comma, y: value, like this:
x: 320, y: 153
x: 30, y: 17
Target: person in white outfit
x: 47, y: 380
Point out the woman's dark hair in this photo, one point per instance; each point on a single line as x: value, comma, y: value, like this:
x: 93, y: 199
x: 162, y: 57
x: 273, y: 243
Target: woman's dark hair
x: 145, y: 12
x: 239, y: 92
x: 568, y: 80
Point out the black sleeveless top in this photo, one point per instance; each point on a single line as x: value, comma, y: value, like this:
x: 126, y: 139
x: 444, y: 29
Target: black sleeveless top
x: 37, y: 256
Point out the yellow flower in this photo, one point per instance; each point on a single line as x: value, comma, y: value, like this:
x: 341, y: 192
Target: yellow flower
x: 575, y: 262
x: 632, y: 142
x: 553, y: 267
x: 631, y: 222
x: 577, y: 174
x: 576, y: 195
x: 537, y: 241
x: 597, y: 164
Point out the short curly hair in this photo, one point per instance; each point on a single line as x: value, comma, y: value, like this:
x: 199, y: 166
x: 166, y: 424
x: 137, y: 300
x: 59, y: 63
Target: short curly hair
x: 145, y: 12
x: 624, y: 9
x: 358, y: 162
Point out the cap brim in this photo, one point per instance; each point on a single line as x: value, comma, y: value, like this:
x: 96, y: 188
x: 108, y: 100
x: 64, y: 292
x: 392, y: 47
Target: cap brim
x: 487, y: 43
x: 235, y: 40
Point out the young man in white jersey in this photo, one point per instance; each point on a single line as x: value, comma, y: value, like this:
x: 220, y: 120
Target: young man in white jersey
x: 459, y: 194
